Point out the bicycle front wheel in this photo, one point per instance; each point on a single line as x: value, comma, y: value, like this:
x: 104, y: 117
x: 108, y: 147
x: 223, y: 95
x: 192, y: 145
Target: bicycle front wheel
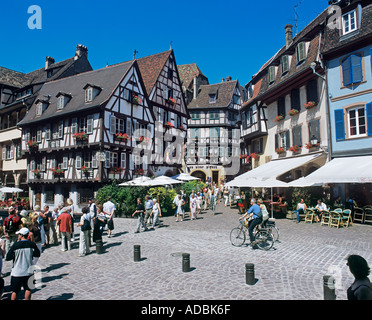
x: 237, y: 237
x: 264, y: 239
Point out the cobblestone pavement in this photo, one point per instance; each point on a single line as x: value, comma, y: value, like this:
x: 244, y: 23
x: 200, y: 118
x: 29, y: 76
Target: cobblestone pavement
x: 292, y: 270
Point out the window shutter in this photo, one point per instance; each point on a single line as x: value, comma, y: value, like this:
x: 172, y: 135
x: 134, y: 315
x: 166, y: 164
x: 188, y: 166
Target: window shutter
x: 65, y: 163
x: 90, y: 124
x: 4, y: 153
x: 295, y: 99
x: 38, y: 135
x: 107, y: 162
x: 312, y: 91
x: 112, y: 124
x: 297, y: 136
x: 301, y: 51
x: 60, y: 129
x: 94, y: 160
x: 11, y: 153
x: 287, y: 140
x: 78, y: 161
x: 32, y: 165
x: 123, y: 160
x: 276, y: 141
x: 165, y: 91
x: 129, y: 127
x: 47, y: 133
x: 43, y: 164
x: 346, y: 72
x: 356, y: 66
x: 369, y: 118
x: 339, y: 125
x: 74, y: 125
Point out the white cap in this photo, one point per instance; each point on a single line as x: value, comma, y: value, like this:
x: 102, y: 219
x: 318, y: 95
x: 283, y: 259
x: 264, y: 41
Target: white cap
x: 23, y: 231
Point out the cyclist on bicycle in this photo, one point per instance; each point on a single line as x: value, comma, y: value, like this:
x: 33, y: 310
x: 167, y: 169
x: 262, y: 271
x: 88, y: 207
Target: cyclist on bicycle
x: 255, y: 213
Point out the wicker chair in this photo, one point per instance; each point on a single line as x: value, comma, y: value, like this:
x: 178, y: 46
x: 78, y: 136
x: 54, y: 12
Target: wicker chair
x: 346, y: 218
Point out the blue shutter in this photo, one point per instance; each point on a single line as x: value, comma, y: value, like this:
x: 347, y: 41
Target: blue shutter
x: 339, y: 125
x: 356, y: 67
x: 369, y: 118
x: 346, y: 72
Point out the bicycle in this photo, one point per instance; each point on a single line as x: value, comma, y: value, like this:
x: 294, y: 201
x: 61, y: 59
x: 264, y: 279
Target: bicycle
x: 263, y: 237
x: 274, y: 230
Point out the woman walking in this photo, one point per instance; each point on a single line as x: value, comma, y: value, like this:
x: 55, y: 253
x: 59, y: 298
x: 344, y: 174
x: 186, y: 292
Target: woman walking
x: 156, y: 213
x: 193, y: 206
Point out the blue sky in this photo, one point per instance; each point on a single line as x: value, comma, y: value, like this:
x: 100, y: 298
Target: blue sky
x: 224, y: 38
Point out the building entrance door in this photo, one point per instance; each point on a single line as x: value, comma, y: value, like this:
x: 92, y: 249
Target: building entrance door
x: 215, y: 177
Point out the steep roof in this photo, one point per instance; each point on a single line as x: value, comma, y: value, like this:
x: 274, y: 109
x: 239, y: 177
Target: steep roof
x: 150, y: 68
x: 12, y: 78
x: 223, y: 90
x: 188, y: 72
x: 106, y: 78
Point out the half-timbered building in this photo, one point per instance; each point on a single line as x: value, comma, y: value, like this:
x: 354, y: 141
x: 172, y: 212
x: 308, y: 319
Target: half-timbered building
x: 81, y: 131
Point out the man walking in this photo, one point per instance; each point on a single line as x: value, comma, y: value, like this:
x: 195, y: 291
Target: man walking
x: 11, y: 226
x: 148, y: 209
x: 22, y: 253
x: 140, y: 211
x: 64, y: 221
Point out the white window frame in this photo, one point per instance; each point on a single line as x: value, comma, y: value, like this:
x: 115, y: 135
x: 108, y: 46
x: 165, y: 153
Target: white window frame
x: 39, y: 109
x: 89, y: 94
x: 357, y: 126
x: 301, y: 58
x: 60, y: 102
x: 347, y: 21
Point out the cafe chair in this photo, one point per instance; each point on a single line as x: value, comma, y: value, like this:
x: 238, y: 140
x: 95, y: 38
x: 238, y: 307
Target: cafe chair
x: 310, y: 216
x: 336, y: 219
x: 359, y: 215
x: 367, y: 215
x: 326, y: 218
x: 346, y: 218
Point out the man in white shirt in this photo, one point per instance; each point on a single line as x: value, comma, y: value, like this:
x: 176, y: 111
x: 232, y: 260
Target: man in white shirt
x: 320, y: 207
x: 108, y: 210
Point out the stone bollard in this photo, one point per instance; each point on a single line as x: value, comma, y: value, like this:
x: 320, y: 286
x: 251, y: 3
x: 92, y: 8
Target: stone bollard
x: 185, y: 262
x: 249, y: 274
x: 137, y: 252
x: 329, y: 288
x: 99, y: 246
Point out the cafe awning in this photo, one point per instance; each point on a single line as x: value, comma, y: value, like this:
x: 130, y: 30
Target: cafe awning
x: 275, y: 168
x: 344, y: 170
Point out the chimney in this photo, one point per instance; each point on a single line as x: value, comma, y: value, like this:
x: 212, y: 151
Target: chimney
x: 288, y: 35
x: 223, y: 80
x: 228, y: 79
x: 81, y: 51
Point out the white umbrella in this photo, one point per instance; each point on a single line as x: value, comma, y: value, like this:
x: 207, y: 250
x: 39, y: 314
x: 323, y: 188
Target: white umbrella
x: 163, y: 180
x: 10, y: 190
x: 137, y: 182
x: 185, y: 177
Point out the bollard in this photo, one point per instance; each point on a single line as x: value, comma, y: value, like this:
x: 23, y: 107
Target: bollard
x: 249, y: 274
x: 329, y: 288
x: 185, y: 262
x: 137, y: 252
x: 99, y: 246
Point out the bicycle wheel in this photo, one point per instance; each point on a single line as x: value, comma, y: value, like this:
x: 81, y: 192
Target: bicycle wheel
x: 275, y: 233
x: 264, y: 239
x: 237, y: 237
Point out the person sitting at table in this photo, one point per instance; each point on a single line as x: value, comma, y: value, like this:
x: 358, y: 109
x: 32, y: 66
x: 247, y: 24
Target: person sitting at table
x: 320, y: 207
x: 301, y: 207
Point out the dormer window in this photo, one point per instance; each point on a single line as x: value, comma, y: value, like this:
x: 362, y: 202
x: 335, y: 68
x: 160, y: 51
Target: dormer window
x: 62, y: 100
x: 349, y: 22
x: 271, y: 74
x: 301, y: 53
x: 39, y: 109
x: 91, y: 91
x: 285, y: 64
x: 212, y: 98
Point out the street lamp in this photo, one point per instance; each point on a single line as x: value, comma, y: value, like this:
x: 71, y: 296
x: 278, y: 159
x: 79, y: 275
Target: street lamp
x: 313, y: 140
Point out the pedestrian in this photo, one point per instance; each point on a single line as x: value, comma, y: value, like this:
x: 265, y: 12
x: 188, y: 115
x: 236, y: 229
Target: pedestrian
x: 255, y: 213
x: 109, y: 210
x: 226, y: 196
x: 156, y: 213
x: 199, y: 200
x: 85, y: 227
x: 64, y: 221
x: 93, y: 213
x: 193, y: 206
x: 361, y: 289
x: 148, y: 209
x: 174, y: 204
x: 140, y: 220
x: 11, y: 225
x: 70, y: 202
x: 22, y: 254
x: 179, y: 204
x: 2, y: 250
x: 53, y: 227
x: 35, y: 231
x: 46, y: 224
x: 214, y: 200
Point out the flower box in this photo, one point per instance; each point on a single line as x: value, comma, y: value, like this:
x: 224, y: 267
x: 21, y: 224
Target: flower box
x: 137, y: 100
x: 139, y: 171
x: 145, y: 140
x: 32, y: 145
x: 310, y: 104
x: 84, y: 169
x: 279, y: 150
x: 168, y: 125
x: 57, y: 172
x: 37, y: 173
x: 309, y: 145
x: 172, y: 101
x: 295, y: 149
x: 121, y: 136
x: 293, y: 112
x: 255, y: 156
x: 80, y: 136
x: 279, y: 118
x: 116, y: 170
x: 243, y: 156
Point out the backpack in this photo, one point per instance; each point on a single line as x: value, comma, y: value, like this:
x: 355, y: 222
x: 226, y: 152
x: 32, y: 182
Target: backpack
x: 10, y: 228
x: 86, y: 225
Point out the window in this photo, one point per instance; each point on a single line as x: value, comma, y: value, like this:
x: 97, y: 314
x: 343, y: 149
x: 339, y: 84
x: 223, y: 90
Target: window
x: 312, y: 91
x: 349, y: 23
x: 281, y: 106
x: 284, y: 140
x: 285, y: 64
x: 170, y: 73
x: 297, y: 136
x: 214, y: 133
x: 301, y: 54
x: 88, y: 94
x: 195, y: 116
x: 236, y: 99
x: 194, y: 133
x: 356, y: 118
x: 60, y: 102
x: 214, y: 116
x: 271, y: 74
x: 314, y: 129
x: 352, y: 70
x: 295, y: 99
x: 39, y: 109
x: 212, y: 98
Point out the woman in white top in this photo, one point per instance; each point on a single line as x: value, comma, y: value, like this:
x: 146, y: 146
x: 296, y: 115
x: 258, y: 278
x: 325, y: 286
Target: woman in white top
x: 156, y: 212
x: 193, y: 206
x: 301, y: 207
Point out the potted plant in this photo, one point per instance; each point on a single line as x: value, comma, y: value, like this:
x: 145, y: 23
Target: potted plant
x: 243, y: 156
x: 144, y: 139
x: 57, y: 172
x: 136, y: 100
x: 37, y: 173
x: 255, y: 156
x: 173, y: 101
x: 84, y: 169
x: 139, y: 171
x: 310, y: 104
x: 32, y: 145
x: 122, y: 136
x: 80, y: 136
x: 168, y: 125
x: 293, y: 112
x: 279, y: 118
x: 279, y: 150
x: 310, y: 145
x: 295, y: 148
